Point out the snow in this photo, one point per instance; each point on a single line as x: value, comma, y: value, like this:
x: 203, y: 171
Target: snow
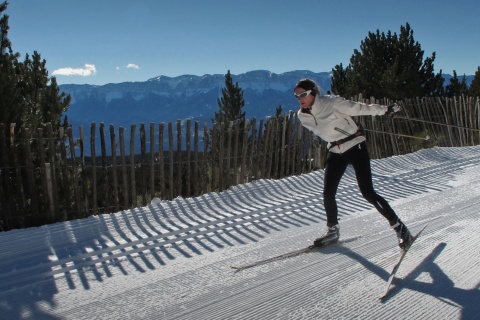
x: 171, y: 259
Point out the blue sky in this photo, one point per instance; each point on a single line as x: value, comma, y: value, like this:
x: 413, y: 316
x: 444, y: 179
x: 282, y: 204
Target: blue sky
x: 112, y: 41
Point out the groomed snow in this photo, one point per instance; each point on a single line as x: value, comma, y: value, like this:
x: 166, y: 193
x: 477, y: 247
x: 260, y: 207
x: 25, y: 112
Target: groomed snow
x: 171, y: 259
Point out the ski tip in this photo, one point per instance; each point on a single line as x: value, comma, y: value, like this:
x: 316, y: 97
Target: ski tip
x: 421, y: 230
x: 385, y: 295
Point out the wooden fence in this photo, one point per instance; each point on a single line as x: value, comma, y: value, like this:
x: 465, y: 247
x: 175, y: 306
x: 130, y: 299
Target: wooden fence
x: 47, y: 177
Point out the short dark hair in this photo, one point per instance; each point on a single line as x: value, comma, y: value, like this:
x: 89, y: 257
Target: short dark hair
x: 308, y: 84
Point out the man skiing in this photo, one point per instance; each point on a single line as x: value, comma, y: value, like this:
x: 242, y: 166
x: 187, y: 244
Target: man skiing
x: 329, y: 117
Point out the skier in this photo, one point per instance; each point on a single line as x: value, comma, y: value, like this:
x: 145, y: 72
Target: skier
x: 329, y: 117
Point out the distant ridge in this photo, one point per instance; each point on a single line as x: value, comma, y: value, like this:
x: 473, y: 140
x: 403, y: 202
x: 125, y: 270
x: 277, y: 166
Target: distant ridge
x: 167, y: 99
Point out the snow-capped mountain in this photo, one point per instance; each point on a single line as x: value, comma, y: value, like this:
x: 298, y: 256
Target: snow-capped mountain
x: 168, y: 99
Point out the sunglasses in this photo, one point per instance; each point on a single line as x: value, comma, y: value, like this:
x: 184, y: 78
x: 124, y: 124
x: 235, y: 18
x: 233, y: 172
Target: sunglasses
x: 303, y: 94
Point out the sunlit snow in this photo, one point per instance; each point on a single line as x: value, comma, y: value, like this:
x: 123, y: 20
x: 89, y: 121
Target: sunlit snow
x: 171, y: 259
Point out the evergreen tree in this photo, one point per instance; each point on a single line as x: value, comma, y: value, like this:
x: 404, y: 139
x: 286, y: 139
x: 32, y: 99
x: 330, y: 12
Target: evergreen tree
x: 42, y: 101
x: 474, y: 90
x: 339, y: 80
x: 4, y: 41
x: 456, y: 87
x: 28, y: 96
x: 389, y: 66
x: 231, y: 103
x: 279, y: 112
x: 8, y: 94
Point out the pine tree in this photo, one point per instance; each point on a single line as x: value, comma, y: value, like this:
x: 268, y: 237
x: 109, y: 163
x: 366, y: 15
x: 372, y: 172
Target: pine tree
x: 339, y: 80
x: 8, y: 94
x: 231, y: 103
x: 456, y: 87
x: 42, y: 100
x: 389, y: 66
x: 4, y: 41
x: 28, y: 96
x: 474, y: 90
x: 278, y: 112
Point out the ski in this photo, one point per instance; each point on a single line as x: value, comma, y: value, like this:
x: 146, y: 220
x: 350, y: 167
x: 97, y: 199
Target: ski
x: 397, y: 265
x: 290, y: 254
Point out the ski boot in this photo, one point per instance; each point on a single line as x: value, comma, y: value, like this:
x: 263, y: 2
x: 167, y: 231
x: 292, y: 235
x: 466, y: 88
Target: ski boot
x: 403, y: 235
x: 331, y: 235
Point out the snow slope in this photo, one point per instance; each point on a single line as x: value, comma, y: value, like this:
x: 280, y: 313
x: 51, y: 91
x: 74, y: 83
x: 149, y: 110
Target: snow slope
x: 171, y: 259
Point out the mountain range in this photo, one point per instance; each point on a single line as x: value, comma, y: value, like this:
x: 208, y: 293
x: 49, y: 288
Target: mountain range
x: 167, y: 99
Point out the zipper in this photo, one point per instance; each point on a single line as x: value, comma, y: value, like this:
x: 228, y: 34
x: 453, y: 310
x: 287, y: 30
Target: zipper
x: 342, y: 131
x: 309, y: 111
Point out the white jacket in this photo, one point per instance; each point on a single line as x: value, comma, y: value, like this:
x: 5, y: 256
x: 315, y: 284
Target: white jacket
x: 330, y: 119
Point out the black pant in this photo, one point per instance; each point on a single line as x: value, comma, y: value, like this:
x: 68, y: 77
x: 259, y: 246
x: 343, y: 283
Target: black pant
x: 336, y: 165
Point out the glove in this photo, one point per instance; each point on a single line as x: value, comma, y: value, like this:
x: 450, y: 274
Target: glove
x: 394, y: 108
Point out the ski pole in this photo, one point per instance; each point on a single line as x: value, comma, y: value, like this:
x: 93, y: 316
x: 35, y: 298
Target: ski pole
x: 432, y: 122
x: 400, y: 134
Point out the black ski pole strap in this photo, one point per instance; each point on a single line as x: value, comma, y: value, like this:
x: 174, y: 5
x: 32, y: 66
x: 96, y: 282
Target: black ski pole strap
x: 360, y: 132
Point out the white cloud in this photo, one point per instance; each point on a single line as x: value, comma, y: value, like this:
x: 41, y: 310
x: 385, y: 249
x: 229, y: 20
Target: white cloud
x: 89, y: 70
x: 132, y: 66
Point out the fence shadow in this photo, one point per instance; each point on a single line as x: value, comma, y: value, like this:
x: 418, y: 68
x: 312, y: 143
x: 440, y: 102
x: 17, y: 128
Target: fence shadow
x: 72, y: 254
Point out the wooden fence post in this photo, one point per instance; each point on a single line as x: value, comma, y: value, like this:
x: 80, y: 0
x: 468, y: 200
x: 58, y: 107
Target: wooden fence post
x: 188, y: 160
x: 84, y: 179
x: 143, y: 167
x: 49, y: 192
x: 43, y: 173
x: 73, y: 161
x: 221, y: 159
x: 152, y: 161
x: 256, y: 167
x: 113, y: 145
x: 170, y: 161
x: 196, y: 178
x: 179, y: 158
x: 53, y: 167
x: 132, y: 166
x: 105, y: 197
x: 243, y: 166
x: 94, y: 169
x: 161, y: 164
x: 227, y: 177
x: 252, y: 146
x: 205, y: 158
x: 32, y: 193
x: 121, y: 138
x: 64, y: 177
